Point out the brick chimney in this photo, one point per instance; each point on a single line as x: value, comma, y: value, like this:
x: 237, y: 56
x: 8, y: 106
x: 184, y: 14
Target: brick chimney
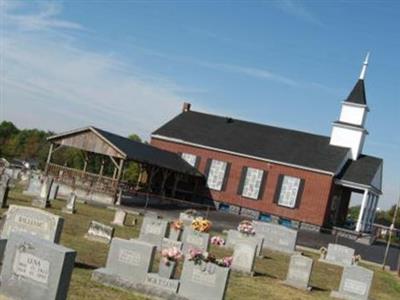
x: 186, y: 106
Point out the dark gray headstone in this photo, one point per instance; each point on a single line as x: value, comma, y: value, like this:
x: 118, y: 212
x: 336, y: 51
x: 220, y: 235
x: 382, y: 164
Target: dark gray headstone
x: 32, y: 221
x: 235, y: 237
x: 129, y: 260
x: 36, y: 269
x: 355, y: 283
x: 203, y: 281
x: 153, y: 230
x: 42, y: 201
x: 99, y: 232
x: 299, y: 272
x: 339, y: 255
x: 276, y: 237
x: 244, y: 256
x: 4, y: 189
x: 194, y: 239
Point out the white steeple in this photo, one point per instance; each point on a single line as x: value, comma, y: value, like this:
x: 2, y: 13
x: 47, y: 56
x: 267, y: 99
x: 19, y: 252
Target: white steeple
x: 349, y: 130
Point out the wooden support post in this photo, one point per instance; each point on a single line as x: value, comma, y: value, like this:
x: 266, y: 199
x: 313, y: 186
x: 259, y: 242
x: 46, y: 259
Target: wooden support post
x: 101, y: 168
x: 176, y: 181
x: 139, y: 180
x: 49, y: 159
x: 115, y: 173
x: 165, y: 174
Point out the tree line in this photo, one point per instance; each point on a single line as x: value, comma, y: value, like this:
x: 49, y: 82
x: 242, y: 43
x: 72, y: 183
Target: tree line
x: 32, y: 145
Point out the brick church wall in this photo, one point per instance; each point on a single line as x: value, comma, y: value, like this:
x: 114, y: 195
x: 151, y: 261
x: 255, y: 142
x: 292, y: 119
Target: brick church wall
x: 313, y: 205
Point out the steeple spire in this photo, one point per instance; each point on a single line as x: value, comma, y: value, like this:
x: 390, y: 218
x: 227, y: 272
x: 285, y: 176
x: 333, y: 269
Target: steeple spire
x: 364, y: 67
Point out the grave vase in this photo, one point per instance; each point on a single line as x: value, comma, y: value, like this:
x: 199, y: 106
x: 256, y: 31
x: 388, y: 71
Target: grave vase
x: 167, y: 270
x: 174, y: 234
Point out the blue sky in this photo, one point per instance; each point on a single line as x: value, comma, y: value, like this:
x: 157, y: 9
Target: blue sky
x: 127, y: 66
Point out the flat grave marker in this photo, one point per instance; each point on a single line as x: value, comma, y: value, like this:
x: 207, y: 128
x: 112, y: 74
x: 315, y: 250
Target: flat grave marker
x: 36, y: 269
x: 100, y: 232
x: 276, y: 237
x: 355, y: 283
x: 299, y: 272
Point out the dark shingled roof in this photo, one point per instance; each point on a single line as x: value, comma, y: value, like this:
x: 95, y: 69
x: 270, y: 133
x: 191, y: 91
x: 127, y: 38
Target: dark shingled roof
x: 357, y: 95
x: 362, y: 170
x: 263, y: 141
x: 141, y: 152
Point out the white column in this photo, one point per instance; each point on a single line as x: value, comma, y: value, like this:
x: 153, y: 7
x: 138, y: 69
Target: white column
x: 374, y: 206
x: 362, y: 208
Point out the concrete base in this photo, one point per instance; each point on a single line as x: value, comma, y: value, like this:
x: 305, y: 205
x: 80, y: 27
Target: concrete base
x: 40, y: 203
x: 339, y: 295
x: 332, y: 263
x: 297, y: 286
x: 96, y: 239
x: 107, y: 278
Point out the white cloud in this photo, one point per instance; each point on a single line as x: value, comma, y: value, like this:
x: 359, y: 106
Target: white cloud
x: 49, y: 81
x: 297, y: 9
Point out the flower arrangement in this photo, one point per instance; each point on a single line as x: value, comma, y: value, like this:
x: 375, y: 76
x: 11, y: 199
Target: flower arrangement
x: 246, y: 227
x: 198, y: 256
x: 176, y: 225
x: 171, y: 255
x: 202, y: 225
x: 217, y: 240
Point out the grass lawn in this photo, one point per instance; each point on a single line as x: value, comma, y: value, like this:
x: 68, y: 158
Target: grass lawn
x: 266, y: 284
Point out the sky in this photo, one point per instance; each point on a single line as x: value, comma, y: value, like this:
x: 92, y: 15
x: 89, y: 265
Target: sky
x: 127, y: 66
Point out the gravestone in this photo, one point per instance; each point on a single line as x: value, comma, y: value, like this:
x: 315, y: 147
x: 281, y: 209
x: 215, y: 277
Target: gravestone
x: 42, y: 201
x: 71, y: 203
x: 127, y: 260
x: 244, y: 256
x: 34, y: 186
x: 4, y: 189
x: 194, y: 239
x: 119, y: 217
x: 32, y: 221
x: 299, y: 272
x: 163, y: 284
x: 276, y: 237
x: 235, y: 237
x: 99, y: 232
x: 54, y: 191
x: 153, y: 230
x: 339, y: 255
x: 168, y: 243
x: 186, y: 218
x: 203, y: 281
x: 355, y: 283
x: 35, y: 269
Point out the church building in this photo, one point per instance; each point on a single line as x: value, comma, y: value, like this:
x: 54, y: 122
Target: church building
x: 283, y: 175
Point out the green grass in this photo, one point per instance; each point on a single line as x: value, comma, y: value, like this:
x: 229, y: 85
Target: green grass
x: 266, y: 284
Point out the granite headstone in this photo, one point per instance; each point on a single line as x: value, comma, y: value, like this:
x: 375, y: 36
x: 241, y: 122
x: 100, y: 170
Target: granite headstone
x: 355, y: 283
x: 42, y: 201
x: 119, y: 217
x: 235, y: 236
x: 276, y: 237
x: 70, y: 207
x: 299, y: 272
x: 244, y: 256
x: 339, y: 255
x: 35, y: 269
x: 195, y: 239
x: 153, y: 230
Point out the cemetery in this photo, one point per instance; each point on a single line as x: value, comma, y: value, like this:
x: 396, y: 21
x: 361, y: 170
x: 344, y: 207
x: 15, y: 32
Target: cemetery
x: 91, y: 252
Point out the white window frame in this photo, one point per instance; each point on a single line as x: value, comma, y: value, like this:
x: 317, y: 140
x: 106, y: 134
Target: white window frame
x: 252, y: 183
x: 289, y: 190
x: 216, y: 174
x: 191, y: 159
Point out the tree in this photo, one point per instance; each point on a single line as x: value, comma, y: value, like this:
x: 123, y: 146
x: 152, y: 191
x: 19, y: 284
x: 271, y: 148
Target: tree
x: 132, y: 169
